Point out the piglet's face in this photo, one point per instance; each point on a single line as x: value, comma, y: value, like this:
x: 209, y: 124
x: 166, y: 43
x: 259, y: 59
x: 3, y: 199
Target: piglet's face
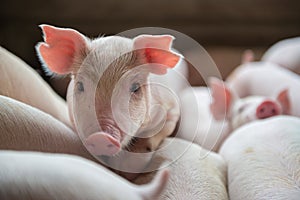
x: 109, y: 96
x: 254, y: 108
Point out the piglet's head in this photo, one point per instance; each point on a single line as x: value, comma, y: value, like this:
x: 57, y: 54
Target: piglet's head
x: 109, y: 96
x: 238, y: 111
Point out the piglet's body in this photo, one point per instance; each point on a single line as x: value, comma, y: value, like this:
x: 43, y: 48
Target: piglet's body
x: 26, y: 128
x: 285, y: 53
x: 263, y: 160
x: 28, y: 175
x: 266, y: 79
x: 19, y: 81
x: 112, y: 97
x: 195, y: 173
x: 197, y: 123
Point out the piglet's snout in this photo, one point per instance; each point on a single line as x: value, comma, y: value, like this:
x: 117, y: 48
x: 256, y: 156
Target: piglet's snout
x: 102, y: 143
x: 267, y: 109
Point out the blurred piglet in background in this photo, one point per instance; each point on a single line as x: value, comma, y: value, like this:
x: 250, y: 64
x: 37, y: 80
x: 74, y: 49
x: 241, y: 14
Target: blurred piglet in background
x: 219, y: 112
x: 266, y: 79
x: 112, y: 97
x: 238, y: 111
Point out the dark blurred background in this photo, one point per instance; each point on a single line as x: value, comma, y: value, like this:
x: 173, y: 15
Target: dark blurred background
x: 224, y: 28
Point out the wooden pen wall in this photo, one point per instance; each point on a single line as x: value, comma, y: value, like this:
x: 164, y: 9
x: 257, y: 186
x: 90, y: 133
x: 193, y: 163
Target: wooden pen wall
x: 224, y: 28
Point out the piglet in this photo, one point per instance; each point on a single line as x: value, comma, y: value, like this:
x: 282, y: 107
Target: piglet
x: 195, y: 173
x: 111, y: 97
x: 32, y: 175
x: 239, y: 111
x: 285, y: 53
x: 219, y: 111
x: 263, y: 159
x: 266, y: 79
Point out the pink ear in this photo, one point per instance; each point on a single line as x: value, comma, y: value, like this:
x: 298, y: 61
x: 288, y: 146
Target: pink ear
x: 60, y: 48
x: 222, y: 99
x: 157, y: 49
x: 248, y: 56
x: 284, y: 100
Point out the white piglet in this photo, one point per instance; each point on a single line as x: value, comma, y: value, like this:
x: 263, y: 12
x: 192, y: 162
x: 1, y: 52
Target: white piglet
x: 239, y: 111
x: 266, y: 79
x: 112, y: 97
x: 264, y: 160
x: 210, y: 115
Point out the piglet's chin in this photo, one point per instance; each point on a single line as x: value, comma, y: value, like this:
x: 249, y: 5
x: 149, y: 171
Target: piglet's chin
x: 101, y: 143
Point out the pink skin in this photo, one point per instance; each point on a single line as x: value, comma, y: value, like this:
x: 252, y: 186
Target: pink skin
x: 66, y: 50
x: 238, y: 111
x: 285, y: 53
x: 267, y: 109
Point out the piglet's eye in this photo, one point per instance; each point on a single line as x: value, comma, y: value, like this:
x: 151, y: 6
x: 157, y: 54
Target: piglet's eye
x: 135, y: 87
x: 242, y: 108
x: 79, y: 86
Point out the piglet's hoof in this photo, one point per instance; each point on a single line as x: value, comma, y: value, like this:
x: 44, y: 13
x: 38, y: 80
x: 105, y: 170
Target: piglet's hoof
x: 101, y: 143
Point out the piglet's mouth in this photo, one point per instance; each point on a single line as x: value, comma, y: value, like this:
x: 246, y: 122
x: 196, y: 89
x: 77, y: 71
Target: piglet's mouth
x: 102, y: 143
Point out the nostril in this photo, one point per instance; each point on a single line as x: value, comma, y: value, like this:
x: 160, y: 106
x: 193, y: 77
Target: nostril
x: 267, y: 109
x: 262, y: 110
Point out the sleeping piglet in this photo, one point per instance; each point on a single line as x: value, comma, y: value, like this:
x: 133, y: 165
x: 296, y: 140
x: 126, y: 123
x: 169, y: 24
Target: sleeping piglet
x: 111, y: 98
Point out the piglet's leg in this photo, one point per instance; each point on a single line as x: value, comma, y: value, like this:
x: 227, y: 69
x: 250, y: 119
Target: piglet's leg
x: 26, y: 128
